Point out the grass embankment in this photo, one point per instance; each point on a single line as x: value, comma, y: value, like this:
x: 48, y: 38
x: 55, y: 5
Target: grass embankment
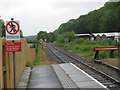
x: 85, y: 48
x: 41, y: 57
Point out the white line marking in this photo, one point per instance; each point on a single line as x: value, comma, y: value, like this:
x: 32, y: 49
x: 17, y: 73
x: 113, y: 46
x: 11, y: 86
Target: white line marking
x: 89, y: 76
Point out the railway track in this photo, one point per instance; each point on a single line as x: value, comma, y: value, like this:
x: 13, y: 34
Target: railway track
x: 105, y: 78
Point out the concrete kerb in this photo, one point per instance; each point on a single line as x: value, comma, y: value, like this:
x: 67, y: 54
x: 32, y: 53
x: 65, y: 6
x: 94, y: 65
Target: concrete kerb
x: 23, y: 82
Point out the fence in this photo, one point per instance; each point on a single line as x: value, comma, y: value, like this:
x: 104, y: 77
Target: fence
x: 0, y: 63
x: 6, y: 63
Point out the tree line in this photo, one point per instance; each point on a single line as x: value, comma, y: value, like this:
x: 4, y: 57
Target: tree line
x: 48, y: 37
x: 102, y: 20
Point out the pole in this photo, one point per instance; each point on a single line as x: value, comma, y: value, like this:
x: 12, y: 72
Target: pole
x: 14, y: 65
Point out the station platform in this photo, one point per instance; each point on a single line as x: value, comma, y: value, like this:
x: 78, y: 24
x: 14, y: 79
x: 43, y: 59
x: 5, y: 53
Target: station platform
x: 65, y: 75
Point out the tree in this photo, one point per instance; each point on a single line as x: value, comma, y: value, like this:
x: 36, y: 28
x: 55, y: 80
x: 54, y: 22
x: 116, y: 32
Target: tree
x: 21, y: 34
x: 70, y: 35
x: 50, y: 37
x: 3, y: 30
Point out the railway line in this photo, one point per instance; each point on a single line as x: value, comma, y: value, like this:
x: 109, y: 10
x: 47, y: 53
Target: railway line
x: 107, y: 75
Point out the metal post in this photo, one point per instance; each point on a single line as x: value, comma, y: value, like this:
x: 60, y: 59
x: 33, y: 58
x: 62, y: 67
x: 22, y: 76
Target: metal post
x: 14, y: 64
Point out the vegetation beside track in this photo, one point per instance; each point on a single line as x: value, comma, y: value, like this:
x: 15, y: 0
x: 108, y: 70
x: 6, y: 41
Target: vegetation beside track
x: 41, y: 57
x: 85, y: 47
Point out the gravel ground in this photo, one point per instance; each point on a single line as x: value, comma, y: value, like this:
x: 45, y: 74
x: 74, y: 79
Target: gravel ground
x: 51, y: 56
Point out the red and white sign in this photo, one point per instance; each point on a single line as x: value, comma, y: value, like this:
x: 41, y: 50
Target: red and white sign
x: 12, y: 47
x: 12, y: 30
x: 105, y: 48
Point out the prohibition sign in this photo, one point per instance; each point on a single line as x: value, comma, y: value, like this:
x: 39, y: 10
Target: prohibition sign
x: 12, y: 25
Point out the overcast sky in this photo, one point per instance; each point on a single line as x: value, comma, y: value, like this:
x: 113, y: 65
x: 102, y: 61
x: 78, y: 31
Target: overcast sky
x: 45, y: 15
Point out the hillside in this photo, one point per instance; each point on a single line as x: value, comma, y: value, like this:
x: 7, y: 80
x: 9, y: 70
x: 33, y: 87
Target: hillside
x: 102, y: 20
x: 33, y: 37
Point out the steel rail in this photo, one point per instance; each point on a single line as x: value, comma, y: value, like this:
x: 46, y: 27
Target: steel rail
x: 90, y: 67
x: 102, y: 63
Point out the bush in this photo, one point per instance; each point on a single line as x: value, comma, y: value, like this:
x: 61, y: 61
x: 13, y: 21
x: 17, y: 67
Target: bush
x: 69, y: 35
x: 85, y: 47
x: 79, y: 41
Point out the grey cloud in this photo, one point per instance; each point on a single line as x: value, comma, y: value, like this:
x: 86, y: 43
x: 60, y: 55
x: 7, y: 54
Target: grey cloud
x: 114, y: 0
x: 86, y: 5
x: 10, y: 4
x: 78, y: 8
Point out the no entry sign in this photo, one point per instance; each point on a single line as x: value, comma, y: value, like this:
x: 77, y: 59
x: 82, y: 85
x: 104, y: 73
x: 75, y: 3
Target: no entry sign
x: 12, y: 47
x: 12, y: 30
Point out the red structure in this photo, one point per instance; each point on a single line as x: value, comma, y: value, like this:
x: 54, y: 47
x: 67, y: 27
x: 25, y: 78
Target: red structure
x: 97, y: 49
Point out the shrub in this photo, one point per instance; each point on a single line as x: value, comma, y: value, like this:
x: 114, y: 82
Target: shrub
x: 69, y: 35
x: 79, y: 41
x: 85, y: 47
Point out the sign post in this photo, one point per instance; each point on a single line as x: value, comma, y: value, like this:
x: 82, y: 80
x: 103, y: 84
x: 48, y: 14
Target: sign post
x: 13, y: 33
x: 14, y: 61
x: 14, y: 65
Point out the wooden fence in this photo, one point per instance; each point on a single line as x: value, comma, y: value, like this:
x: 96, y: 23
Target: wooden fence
x: 6, y: 63
x: 1, y: 63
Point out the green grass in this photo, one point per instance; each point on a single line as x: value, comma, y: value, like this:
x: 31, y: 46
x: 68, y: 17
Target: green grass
x: 85, y: 47
x: 41, y: 57
x: 36, y: 61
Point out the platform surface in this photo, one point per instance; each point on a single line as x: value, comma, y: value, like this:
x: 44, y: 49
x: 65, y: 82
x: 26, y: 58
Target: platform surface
x: 65, y: 75
x: 44, y: 77
x: 79, y: 77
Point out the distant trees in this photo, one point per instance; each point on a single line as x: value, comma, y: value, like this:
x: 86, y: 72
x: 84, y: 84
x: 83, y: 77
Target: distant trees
x: 49, y: 37
x: 2, y: 28
x: 21, y: 34
x: 104, y: 19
